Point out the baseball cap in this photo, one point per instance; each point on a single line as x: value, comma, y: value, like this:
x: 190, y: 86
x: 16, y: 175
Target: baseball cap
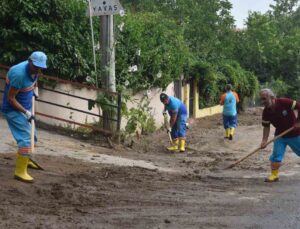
x: 39, y: 59
x: 163, y: 97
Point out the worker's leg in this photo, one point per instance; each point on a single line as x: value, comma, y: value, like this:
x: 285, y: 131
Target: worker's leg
x: 294, y: 143
x: 226, y: 126
x: 175, y: 140
x: 181, y: 124
x: 276, y: 159
x: 232, y: 125
x: 21, y: 131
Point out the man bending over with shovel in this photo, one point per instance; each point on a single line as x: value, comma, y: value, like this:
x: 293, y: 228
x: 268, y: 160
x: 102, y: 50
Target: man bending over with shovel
x: 280, y: 113
x: 17, y: 104
x: 178, y: 116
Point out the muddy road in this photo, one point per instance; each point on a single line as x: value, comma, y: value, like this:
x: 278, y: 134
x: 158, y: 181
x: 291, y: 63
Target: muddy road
x: 86, y: 185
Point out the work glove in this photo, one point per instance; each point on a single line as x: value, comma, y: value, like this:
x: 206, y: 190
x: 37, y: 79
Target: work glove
x: 164, y: 113
x: 169, y: 130
x: 36, y: 92
x: 29, y: 116
x: 187, y: 125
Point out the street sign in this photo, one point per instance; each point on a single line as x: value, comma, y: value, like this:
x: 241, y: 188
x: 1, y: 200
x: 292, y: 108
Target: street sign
x: 104, y: 7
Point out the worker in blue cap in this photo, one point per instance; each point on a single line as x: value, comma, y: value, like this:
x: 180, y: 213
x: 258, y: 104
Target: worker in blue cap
x: 21, y: 81
x: 178, y: 116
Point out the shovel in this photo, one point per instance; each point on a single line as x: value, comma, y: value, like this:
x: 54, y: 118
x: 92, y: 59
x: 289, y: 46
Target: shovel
x: 165, y: 124
x: 257, y: 149
x: 35, y: 164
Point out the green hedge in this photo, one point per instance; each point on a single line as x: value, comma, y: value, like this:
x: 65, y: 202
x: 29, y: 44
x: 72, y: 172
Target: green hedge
x: 212, y: 80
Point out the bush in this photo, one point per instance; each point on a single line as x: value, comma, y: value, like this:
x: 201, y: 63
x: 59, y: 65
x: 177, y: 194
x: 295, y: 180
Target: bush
x: 212, y: 80
x: 150, y: 52
x: 139, y: 118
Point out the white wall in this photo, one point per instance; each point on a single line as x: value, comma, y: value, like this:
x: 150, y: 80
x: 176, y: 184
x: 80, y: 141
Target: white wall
x: 153, y: 95
x: 155, y: 104
x: 66, y: 101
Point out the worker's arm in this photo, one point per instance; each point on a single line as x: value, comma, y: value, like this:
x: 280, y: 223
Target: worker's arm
x: 266, y: 123
x: 222, y: 99
x: 236, y: 97
x: 173, y: 120
x: 12, y: 93
x: 296, y: 106
x: 293, y: 105
x: 266, y: 132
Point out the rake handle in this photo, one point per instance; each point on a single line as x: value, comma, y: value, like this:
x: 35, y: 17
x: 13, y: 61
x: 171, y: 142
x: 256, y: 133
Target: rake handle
x: 257, y: 149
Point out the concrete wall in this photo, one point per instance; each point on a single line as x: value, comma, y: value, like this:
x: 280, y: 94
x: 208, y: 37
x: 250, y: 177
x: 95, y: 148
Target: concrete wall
x: 155, y: 104
x: 69, y: 102
x: 153, y: 95
x: 198, y: 113
x: 64, y: 100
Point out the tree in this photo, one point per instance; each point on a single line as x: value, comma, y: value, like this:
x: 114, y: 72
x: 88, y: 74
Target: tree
x: 58, y: 27
x: 150, y: 51
x: 271, y: 47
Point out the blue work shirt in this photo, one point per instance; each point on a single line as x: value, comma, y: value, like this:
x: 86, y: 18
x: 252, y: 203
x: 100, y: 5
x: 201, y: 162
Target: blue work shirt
x: 176, y: 106
x: 229, y: 101
x: 18, y: 77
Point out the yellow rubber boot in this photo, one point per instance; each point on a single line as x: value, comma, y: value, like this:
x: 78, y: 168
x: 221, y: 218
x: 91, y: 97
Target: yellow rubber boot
x: 227, y: 132
x: 273, y: 177
x: 182, y: 145
x: 232, y: 130
x: 174, y: 146
x: 21, y: 169
x: 231, y: 133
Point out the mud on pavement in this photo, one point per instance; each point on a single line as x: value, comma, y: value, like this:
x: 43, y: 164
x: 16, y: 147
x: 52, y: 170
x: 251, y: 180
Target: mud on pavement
x: 82, y: 187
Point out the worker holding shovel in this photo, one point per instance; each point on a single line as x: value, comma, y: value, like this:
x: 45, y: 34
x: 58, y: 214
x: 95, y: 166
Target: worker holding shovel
x: 17, y: 106
x: 178, y: 116
x: 280, y: 113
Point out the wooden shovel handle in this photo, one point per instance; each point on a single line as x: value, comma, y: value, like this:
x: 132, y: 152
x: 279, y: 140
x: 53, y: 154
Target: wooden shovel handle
x: 165, y: 124
x: 32, y: 124
x: 257, y: 149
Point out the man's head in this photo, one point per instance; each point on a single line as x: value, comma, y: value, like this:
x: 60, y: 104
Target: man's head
x: 228, y: 87
x: 266, y: 97
x: 164, y: 98
x: 37, y: 61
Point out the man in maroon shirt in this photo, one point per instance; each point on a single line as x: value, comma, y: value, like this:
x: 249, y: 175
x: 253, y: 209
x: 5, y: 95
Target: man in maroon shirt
x: 279, y: 113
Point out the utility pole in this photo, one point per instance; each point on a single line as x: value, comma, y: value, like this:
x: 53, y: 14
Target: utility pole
x: 106, y: 9
x: 107, y: 62
x: 107, y: 52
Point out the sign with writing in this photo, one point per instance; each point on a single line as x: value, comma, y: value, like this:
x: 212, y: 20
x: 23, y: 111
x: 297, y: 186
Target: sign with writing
x: 104, y: 7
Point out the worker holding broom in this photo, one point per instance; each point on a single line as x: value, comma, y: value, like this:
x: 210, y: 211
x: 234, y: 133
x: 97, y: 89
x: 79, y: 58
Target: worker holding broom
x: 17, y: 104
x: 280, y: 113
x: 178, y: 116
x: 229, y: 99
